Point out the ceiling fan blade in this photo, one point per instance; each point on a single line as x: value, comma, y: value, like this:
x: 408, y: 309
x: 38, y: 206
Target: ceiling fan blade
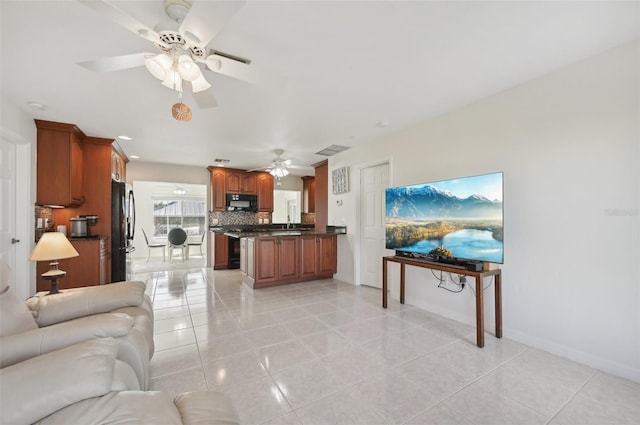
x: 115, y: 63
x: 207, y: 18
x: 232, y: 68
x: 259, y: 169
x: 205, y: 99
x: 300, y: 167
x: 122, y: 18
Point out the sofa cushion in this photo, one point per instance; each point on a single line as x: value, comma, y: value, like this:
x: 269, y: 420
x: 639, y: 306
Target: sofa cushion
x: 206, y: 407
x: 42, y: 385
x: 15, y: 317
x: 119, y: 408
x: 80, y: 302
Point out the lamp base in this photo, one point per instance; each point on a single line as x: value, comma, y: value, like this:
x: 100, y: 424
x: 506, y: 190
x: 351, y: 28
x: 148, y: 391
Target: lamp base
x: 53, y: 275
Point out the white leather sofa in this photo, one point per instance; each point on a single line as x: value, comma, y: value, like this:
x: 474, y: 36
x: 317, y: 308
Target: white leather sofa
x: 86, y: 384
x: 46, y: 323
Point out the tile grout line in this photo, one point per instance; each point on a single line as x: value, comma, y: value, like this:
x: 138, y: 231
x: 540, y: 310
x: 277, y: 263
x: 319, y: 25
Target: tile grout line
x: 572, y: 396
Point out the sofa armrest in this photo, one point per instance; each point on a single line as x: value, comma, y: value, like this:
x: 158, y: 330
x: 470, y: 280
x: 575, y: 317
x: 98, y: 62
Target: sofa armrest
x: 80, y: 302
x: 40, y: 386
x: 25, y: 345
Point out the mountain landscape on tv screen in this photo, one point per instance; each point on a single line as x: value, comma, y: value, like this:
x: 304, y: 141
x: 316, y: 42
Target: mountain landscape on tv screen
x: 428, y: 202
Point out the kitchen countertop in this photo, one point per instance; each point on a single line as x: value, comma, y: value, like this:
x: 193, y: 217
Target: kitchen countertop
x: 275, y: 230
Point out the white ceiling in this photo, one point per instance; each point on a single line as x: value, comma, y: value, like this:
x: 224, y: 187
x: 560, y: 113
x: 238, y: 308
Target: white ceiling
x: 332, y: 70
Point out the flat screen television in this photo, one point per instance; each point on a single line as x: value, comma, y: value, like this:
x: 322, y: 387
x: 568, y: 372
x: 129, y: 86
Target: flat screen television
x: 463, y: 215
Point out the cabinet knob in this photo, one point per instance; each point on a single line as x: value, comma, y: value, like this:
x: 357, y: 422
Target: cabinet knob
x: 14, y: 240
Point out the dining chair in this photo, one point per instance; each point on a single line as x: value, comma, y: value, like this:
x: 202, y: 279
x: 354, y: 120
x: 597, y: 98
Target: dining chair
x: 199, y: 244
x: 177, y: 239
x: 154, y: 245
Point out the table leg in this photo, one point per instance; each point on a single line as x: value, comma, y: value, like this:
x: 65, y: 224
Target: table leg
x: 401, y: 283
x: 384, y: 283
x: 479, y: 313
x: 498, y: 290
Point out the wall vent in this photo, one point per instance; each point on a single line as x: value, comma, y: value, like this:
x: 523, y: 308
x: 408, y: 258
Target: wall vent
x: 221, y: 161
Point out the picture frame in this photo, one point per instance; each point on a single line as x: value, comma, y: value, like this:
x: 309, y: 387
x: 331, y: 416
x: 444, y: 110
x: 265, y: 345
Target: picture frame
x: 340, y: 180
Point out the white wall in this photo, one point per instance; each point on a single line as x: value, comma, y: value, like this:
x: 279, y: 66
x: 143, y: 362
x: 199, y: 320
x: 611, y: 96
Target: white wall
x: 568, y: 144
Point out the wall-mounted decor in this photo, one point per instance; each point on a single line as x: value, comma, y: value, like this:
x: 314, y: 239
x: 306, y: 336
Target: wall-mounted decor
x: 340, y: 180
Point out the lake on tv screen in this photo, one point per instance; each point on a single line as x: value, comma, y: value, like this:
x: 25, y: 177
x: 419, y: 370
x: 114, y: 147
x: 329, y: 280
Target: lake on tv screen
x: 465, y: 243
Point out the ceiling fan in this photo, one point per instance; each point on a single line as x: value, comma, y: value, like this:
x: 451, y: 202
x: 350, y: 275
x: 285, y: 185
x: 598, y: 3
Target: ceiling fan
x: 280, y: 167
x: 181, y: 45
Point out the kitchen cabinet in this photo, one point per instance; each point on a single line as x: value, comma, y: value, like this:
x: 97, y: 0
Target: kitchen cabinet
x: 276, y: 259
x: 218, y: 188
x: 241, y: 182
x: 321, y: 207
x: 318, y: 255
x: 118, y: 165
x: 265, y: 192
x: 59, y: 165
x: 220, y: 251
x: 308, y: 194
x: 90, y: 268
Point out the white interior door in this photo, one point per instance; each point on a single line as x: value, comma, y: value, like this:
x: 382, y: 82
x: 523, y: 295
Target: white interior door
x: 7, y: 210
x: 16, y: 223
x: 373, y: 181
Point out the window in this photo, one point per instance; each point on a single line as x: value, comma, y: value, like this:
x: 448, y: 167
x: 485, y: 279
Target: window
x: 169, y: 214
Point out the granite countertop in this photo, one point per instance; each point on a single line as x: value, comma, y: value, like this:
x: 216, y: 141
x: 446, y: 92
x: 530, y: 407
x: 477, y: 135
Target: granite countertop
x: 275, y: 230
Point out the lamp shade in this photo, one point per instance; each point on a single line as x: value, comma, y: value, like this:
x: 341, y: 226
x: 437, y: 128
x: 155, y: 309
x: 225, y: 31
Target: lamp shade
x: 188, y: 69
x: 53, y: 246
x: 158, y: 65
x: 200, y: 84
x: 279, y: 171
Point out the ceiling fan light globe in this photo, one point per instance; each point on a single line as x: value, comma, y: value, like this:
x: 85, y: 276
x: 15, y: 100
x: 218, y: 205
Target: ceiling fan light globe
x: 188, y: 69
x: 173, y: 81
x: 200, y: 84
x: 158, y: 65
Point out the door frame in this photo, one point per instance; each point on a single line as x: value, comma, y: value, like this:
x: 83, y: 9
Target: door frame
x: 23, y: 271
x: 358, y: 194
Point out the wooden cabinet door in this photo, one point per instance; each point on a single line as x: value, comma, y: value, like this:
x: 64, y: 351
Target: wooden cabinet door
x: 243, y: 255
x: 308, y: 256
x: 76, y: 170
x: 234, y: 182
x: 221, y: 251
x: 218, y: 185
x: 327, y: 254
x: 266, y: 252
x: 249, y: 184
x: 265, y: 192
x: 287, y: 258
x: 308, y: 194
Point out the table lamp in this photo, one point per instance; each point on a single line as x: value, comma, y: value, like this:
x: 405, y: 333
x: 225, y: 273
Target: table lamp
x: 53, y: 246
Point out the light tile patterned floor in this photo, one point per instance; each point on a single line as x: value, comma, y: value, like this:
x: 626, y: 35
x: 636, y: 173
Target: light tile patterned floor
x: 325, y: 352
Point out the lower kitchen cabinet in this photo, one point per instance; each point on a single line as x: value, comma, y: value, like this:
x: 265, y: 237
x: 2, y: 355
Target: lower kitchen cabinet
x: 89, y: 268
x: 270, y: 261
x: 220, y: 251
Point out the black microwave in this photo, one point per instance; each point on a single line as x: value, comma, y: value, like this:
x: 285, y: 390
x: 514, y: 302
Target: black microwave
x: 239, y: 202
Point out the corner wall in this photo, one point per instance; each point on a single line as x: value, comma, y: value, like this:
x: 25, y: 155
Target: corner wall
x: 568, y: 144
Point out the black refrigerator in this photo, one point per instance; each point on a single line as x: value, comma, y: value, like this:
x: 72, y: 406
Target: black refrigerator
x: 123, y: 223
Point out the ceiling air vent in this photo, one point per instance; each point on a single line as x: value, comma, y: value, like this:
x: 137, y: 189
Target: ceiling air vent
x: 332, y: 150
x: 221, y: 161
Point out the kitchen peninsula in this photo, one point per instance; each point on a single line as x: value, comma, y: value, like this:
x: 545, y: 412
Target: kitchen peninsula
x: 276, y: 255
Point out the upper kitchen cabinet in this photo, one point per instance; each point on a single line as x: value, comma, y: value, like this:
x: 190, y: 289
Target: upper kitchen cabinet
x: 118, y: 163
x: 59, y: 164
x: 218, y: 188
x: 265, y: 192
x: 309, y: 194
x: 241, y: 182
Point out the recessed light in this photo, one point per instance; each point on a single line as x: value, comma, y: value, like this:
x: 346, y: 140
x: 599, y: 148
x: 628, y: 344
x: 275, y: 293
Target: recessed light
x: 37, y: 106
x: 134, y: 157
x: 123, y: 137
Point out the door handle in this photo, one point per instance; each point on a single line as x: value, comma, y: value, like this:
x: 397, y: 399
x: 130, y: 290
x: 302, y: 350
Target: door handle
x: 14, y: 240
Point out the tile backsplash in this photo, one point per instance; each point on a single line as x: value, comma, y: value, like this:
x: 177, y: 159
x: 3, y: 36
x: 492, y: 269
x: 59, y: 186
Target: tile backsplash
x: 225, y: 218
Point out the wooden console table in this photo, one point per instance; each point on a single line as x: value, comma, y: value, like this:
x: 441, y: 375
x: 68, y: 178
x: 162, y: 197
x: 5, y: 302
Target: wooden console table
x: 478, y: 276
